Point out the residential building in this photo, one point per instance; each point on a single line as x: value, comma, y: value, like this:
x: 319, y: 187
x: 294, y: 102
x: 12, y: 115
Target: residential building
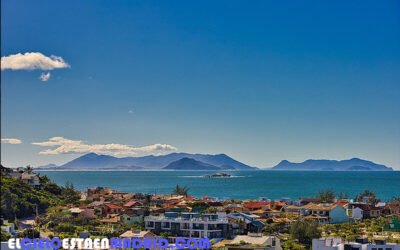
x: 369, y: 211
x: 382, y: 245
x: 131, y: 219
x: 133, y: 203
x: 252, y: 224
x: 109, y: 208
x: 391, y: 208
x: 327, y: 244
x: 338, y: 214
x: 7, y: 227
x: 360, y: 244
x: 356, y: 213
x: 254, y: 242
x: 255, y: 205
x: 31, y: 179
x: 234, y: 207
x: 191, y: 225
x: 138, y: 234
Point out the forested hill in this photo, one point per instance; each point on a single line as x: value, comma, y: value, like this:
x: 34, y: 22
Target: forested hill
x: 19, y: 199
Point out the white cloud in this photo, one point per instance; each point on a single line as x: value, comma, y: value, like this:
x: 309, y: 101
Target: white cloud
x: 45, y: 77
x: 11, y: 141
x: 32, y: 61
x: 61, y: 145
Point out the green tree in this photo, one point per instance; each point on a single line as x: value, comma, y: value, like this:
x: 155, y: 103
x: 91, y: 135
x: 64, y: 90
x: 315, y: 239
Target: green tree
x: 326, y: 196
x: 69, y: 194
x: 30, y: 233
x: 304, y: 231
x: 292, y: 245
x: 4, y: 236
x: 367, y: 195
x: 165, y: 235
x: 342, y: 195
x: 28, y: 169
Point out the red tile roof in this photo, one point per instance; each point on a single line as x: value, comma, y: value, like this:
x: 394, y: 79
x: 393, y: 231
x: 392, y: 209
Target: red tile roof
x: 132, y: 203
x: 255, y: 204
x: 112, y: 206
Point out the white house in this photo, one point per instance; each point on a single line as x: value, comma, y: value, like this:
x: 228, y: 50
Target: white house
x: 357, y: 213
x: 383, y: 245
x: 131, y: 219
x: 255, y: 242
x: 31, y: 179
x: 339, y: 244
x: 327, y: 244
x: 8, y: 227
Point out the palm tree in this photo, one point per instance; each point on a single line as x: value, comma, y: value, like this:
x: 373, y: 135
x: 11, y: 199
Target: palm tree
x: 367, y: 195
x: 326, y: 196
x: 28, y: 169
x: 181, y: 190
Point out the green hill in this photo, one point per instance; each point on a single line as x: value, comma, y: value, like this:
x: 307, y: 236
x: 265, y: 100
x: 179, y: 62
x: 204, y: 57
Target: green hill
x: 20, y: 200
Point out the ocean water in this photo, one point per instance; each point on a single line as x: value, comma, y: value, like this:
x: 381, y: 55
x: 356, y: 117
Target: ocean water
x: 243, y: 184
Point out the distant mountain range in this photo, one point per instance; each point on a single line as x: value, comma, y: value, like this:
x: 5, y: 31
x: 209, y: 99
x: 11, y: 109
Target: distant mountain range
x: 192, y: 164
x: 218, y: 162
x: 174, y: 161
x: 354, y: 164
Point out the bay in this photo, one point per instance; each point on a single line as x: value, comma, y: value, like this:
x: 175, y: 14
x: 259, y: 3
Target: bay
x: 242, y: 184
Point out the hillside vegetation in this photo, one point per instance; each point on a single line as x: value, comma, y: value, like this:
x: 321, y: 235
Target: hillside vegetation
x: 20, y: 200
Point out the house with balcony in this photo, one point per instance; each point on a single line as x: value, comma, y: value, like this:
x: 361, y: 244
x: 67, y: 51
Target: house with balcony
x: 193, y: 225
x: 251, y: 222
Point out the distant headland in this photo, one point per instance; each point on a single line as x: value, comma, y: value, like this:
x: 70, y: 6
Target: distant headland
x: 354, y: 164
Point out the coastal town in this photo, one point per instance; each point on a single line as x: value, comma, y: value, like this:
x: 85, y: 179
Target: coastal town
x: 326, y: 221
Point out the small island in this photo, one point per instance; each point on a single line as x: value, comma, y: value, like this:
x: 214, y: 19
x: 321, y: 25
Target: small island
x: 218, y: 175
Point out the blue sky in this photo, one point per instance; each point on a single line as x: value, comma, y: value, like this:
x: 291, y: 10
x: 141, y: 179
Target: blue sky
x: 260, y: 81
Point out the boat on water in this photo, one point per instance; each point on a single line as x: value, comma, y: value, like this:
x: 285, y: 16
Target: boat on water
x: 218, y: 175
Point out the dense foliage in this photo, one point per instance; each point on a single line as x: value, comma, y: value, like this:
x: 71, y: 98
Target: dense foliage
x: 369, y: 195
x: 304, y: 231
x: 21, y: 200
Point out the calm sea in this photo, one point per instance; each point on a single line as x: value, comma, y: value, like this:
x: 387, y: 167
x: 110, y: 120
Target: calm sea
x: 243, y: 184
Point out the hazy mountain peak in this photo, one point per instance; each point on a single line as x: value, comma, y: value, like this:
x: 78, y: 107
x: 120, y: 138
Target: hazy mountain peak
x: 354, y: 164
x: 192, y: 164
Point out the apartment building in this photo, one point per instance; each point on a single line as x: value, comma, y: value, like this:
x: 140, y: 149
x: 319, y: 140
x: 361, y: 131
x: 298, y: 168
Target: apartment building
x: 193, y: 225
x: 360, y: 244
